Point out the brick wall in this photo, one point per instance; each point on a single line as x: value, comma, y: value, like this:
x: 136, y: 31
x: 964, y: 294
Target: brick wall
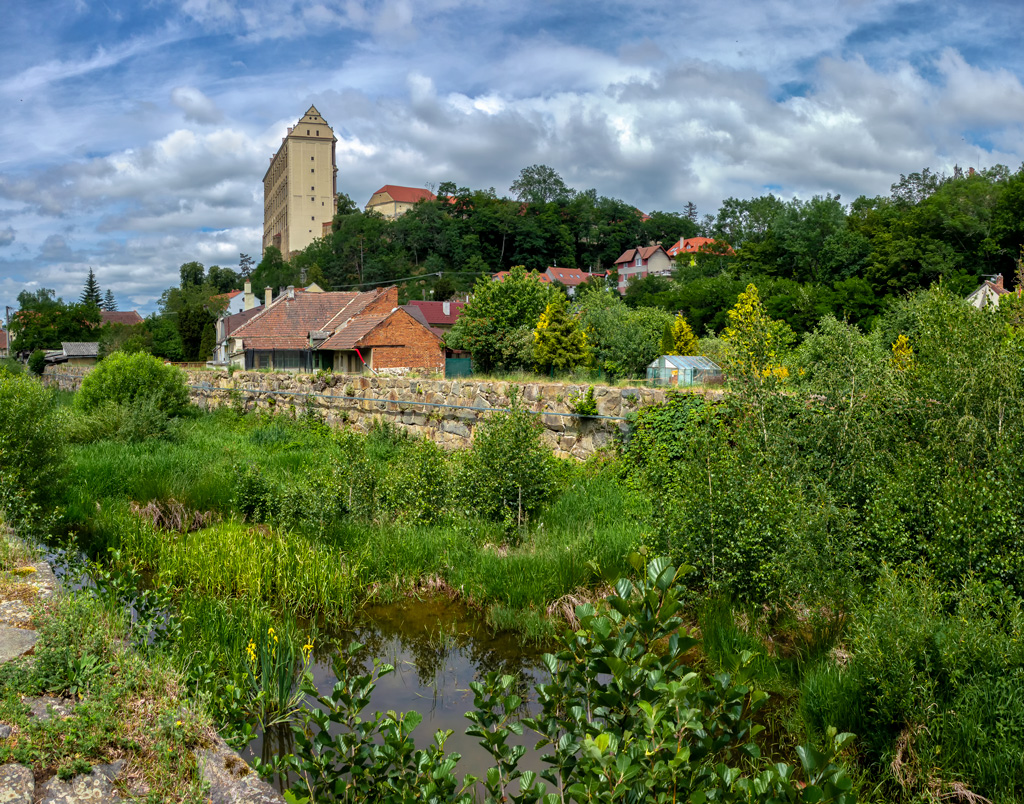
x: 403, y: 342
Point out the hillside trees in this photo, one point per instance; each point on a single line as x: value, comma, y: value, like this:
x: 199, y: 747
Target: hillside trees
x: 497, y: 324
x: 44, y: 321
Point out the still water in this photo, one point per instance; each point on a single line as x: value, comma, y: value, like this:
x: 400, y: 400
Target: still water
x: 437, y: 648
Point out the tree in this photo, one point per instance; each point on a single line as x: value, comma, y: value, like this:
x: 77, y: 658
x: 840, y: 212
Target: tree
x: 539, y: 184
x: 193, y: 274
x: 43, y: 322
x: 223, y: 280
x: 91, y: 292
x: 443, y: 289
x: 273, y: 271
x: 497, y: 323
x: 755, y: 343
x: 109, y: 302
x: 245, y: 263
x: 559, y: 343
x: 684, y: 342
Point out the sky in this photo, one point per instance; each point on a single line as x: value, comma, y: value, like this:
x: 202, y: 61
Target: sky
x: 135, y: 133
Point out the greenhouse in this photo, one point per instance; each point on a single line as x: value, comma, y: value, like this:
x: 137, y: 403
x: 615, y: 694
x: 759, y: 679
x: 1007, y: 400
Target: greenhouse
x: 684, y: 370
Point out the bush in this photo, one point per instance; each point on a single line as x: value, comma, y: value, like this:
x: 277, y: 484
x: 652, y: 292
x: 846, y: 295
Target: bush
x: 37, y: 362
x: 507, y: 472
x: 10, y: 365
x: 129, y: 379
x: 30, y: 444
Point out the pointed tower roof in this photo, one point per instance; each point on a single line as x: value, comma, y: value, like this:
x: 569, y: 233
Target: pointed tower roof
x: 313, y: 116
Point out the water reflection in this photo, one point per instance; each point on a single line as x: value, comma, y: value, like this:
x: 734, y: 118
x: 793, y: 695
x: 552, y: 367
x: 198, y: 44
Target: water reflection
x: 437, y: 648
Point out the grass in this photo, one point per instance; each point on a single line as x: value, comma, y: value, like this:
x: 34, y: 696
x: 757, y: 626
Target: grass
x: 125, y: 706
x: 314, y: 564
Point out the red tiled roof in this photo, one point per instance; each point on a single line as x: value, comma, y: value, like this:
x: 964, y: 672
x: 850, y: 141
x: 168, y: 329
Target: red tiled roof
x: 129, y: 317
x: 406, y: 195
x: 352, y: 332
x: 691, y: 245
x: 229, y: 295
x: 287, y: 322
x: 567, y: 276
x: 646, y: 252
x: 434, y: 312
x: 235, y: 320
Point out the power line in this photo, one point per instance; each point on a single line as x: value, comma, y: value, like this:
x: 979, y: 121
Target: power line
x: 409, y: 278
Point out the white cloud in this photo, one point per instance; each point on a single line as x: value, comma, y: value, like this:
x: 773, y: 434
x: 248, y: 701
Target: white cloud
x: 197, y: 107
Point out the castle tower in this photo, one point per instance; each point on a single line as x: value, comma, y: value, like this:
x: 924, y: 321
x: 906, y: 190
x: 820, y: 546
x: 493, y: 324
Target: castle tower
x: 300, y: 186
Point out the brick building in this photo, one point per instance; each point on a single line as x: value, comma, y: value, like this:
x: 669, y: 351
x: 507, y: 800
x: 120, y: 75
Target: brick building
x: 350, y: 333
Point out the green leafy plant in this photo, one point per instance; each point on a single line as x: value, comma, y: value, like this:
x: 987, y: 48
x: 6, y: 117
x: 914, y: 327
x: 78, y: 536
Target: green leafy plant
x: 131, y: 378
x: 583, y: 403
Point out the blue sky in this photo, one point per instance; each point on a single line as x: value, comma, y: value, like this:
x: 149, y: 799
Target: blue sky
x: 135, y: 133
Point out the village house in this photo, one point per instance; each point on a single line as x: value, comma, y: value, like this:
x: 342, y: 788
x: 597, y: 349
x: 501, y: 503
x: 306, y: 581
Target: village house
x: 4, y: 348
x: 437, y: 315
x: 128, y: 317
x: 641, y: 262
x: 989, y: 294
x: 700, y: 245
x: 345, y: 332
x: 392, y: 200
x: 571, y: 278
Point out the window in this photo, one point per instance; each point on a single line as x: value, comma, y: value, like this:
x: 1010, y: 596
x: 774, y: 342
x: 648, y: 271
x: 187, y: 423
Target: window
x: 307, y: 132
x: 318, y: 132
x: 263, y: 361
x: 638, y: 260
x: 312, y: 217
x: 312, y: 170
x: 310, y: 159
x: 287, y: 360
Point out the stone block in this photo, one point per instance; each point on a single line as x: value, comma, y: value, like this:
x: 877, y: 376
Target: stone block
x: 455, y: 428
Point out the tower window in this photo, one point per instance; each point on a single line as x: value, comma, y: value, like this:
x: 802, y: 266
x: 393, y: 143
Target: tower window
x: 310, y: 159
x: 318, y: 132
x: 312, y: 217
x: 307, y: 132
x: 311, y: 189
x: 312, y: 170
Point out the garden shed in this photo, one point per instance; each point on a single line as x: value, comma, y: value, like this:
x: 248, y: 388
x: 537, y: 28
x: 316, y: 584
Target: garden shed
x: 684, y: 370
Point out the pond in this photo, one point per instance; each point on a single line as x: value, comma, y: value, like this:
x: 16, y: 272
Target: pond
x: 437, y: 648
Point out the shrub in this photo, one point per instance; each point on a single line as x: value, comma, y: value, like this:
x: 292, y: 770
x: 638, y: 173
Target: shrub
x: 37, y: 362
x: 129, y: 379
x: 10, y: 365
x: 30, y: 445
x: 507, y: 472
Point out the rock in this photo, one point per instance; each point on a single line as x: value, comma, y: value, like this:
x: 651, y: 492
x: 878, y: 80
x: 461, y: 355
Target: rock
x: 231, y: 780
x: 17, y: 784
x: 5, y: 731
x: 97, y: 787
x: 455, y: 429
x: 15, y: 642
x: 42, y: 706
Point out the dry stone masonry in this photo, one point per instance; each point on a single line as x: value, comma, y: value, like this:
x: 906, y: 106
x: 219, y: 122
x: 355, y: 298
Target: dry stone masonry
x: 446, y: 411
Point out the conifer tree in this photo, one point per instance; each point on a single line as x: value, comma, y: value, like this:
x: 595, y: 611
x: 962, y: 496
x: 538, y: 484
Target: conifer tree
x: 668, y: 345
x: 91, y: 292
x: 109, y: 302
x: 559, y: 342
x: 684, y: 342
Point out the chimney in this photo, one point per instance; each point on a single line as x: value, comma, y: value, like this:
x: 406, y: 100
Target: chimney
x: 268, y: 295
x: 249, y: 300
x: 997, y: 281
x: 291, y: 291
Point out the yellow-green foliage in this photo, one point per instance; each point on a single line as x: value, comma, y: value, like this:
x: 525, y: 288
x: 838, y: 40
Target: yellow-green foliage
x: 559, y: 341
x: 756, y: 344
x: 902, y: 354
x: 242, y: 561
x: 683, y: 340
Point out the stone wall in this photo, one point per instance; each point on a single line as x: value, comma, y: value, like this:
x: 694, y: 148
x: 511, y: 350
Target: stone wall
x: 445, y: 411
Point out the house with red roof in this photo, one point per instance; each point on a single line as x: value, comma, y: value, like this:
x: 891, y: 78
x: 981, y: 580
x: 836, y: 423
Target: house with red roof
x: 393, y: 201
x: 641, y: 262
x: 701, y: 245
x: 345, y: 332
x: 439, y: 316
x: 128, y: 317
x: 989, y: 294
x: 572, y: 278
x: 4, y: 346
